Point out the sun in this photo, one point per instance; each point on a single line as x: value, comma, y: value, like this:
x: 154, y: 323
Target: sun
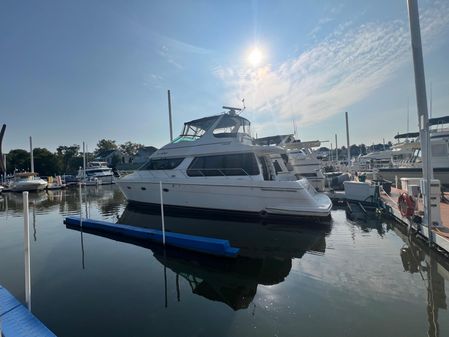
x: 255, y: 57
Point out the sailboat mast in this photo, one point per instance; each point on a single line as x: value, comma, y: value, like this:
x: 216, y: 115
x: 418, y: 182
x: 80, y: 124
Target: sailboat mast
x: 31, y: 155
x: 347, y: 139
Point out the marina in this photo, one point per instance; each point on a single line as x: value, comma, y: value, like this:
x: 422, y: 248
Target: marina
x: 286, y: 277
x: 237, y: 226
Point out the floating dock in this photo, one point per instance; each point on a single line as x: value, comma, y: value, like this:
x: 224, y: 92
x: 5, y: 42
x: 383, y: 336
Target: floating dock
x: 195, y: 243
x: 439, y: 235
x: 17, y: 321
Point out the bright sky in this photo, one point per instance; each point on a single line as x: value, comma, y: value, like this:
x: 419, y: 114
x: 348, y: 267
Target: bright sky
x: 85, y: 70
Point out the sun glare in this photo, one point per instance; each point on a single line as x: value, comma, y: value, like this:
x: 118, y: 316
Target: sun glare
x: 255, y: 57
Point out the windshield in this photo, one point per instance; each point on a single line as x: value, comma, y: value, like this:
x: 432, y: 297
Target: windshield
x: 195, y: 129
x: 230, y: 126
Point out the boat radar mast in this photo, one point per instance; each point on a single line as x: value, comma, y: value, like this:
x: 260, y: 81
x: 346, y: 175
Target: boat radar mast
x: 232, y: 111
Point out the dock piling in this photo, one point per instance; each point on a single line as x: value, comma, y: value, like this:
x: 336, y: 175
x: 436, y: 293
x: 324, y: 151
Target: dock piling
x: 26, y: 232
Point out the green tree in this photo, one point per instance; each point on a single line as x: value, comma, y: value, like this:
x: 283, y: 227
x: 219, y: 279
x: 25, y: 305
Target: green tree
x: 66, y: 154
x: 354, y: 149
x: 130, y: 148
x: 363, y: 149
x: 45, y: 162
x: 105, y: 145
x: 115, y: 161
x: 18, y: 160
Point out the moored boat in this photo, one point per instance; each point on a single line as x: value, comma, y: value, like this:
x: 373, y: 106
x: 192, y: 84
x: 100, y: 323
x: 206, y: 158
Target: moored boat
x: 27, y: 181
x: 96, y: 173
x: 214, y: 165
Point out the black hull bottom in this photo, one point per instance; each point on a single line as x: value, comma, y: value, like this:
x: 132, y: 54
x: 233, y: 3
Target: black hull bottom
x: 210, y: 213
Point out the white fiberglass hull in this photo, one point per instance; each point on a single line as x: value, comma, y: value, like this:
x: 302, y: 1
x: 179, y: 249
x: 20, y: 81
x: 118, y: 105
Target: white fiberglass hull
x: 294, y: 198
x: 31, y: 185
x: 94, y: 180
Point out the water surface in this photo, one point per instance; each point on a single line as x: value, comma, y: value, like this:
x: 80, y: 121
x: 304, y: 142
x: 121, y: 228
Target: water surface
x: 364, y: 278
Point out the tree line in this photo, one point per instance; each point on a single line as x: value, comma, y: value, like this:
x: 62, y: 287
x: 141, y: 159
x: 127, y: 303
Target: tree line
x: 355, y: 150
x: 66, y: 159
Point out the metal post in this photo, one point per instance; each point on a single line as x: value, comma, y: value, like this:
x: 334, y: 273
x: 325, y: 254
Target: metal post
x: 26, y: 241
x: 336, y: 149
x: 347, y: 139
x: 84, y: 162
x: 169, y: 116
x: 162, y: 213
x: 81, y: 207
x: 421, y: 100
x: 31, y: 155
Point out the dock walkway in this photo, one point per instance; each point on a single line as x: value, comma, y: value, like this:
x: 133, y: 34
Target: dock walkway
x: 17, y: 321
x: 439, y: 235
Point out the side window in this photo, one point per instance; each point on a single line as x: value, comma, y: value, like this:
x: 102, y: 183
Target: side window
x: 162, y: 164
x: 225, y: 165
x: 277, y: 167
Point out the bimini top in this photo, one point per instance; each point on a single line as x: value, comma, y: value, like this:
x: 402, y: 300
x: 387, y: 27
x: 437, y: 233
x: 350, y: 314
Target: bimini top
x: 222, y: 126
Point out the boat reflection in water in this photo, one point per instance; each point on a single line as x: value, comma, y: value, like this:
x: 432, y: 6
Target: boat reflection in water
x: 418, y: 258
x: 265, y: 257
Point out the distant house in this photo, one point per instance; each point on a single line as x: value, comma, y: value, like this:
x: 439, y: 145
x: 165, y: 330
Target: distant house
x: 114, y: 157
x: 138, y: 160
x: 143, y: 154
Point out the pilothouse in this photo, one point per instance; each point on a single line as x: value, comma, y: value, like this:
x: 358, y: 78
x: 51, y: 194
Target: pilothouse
x: 215, y: 165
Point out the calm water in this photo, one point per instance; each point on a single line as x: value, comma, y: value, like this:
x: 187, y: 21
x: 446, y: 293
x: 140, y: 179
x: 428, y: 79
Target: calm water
x: 345, y: 279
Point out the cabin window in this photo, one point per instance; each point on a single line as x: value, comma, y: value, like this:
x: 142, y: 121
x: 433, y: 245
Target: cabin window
x: 439, y: 150
x: 277, y: 167
x: 162, y: 164
x: 224, y: 165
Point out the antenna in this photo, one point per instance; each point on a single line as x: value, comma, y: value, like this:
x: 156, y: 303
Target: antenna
x: 243, y: 102
x: 232, y: 111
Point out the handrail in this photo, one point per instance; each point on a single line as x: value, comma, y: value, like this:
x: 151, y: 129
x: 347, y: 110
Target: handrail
x: 169, y: 173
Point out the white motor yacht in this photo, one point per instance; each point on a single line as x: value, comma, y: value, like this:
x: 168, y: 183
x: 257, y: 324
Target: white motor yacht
x: 412, y: 167
x: 27, y: 181
x: 214, y: 165
x: 301, y: 158
x: 97, y: 173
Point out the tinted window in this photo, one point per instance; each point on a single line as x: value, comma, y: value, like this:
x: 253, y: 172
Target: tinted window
x: 277, y: 167
x: 162, y: 164
x: 224, y: 165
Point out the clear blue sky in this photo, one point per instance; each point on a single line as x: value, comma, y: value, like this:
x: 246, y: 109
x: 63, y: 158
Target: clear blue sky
x: 86, y: 70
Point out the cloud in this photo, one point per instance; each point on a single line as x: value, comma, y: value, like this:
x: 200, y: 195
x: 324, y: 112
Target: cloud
x: 336, y: 73
x: 173, y: 49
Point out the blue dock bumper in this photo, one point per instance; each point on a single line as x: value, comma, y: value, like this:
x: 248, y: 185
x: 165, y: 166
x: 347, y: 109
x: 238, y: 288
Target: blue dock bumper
x: 17, y: 321
x: 200, y: 244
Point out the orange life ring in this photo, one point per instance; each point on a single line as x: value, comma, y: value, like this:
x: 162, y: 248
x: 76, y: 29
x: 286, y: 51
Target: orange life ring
x: 406, y: 205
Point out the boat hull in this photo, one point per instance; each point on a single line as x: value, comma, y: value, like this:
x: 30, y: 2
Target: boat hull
x: 247, y: 197
x: 29, y: 186
x: 94, y: 180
